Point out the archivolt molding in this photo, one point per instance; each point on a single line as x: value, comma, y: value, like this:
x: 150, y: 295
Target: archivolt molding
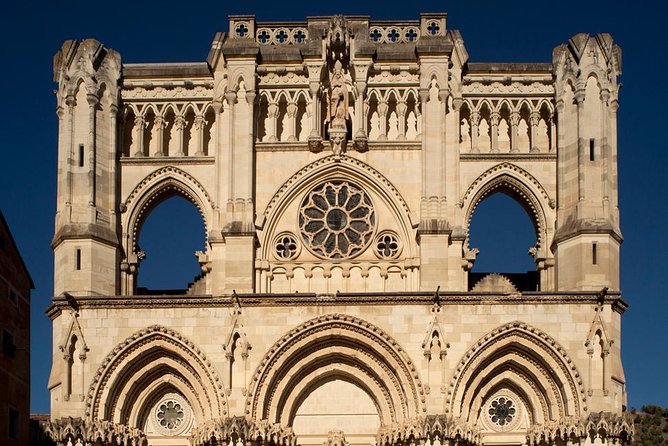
x: 521, y: 183
x: 428, y: 430
x: 233, y: 430
x: 301, y: 350
x: 184, y: 356
x: 570, y: 390
x: 326, y: 168
x: 152, y: 187
x: 72, y: 431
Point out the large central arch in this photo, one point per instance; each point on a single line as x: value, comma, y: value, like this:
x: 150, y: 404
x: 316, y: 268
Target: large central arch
x: 340, y: 347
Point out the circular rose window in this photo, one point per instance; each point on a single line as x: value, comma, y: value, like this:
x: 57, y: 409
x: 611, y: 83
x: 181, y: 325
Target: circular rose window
x: 337, y: 220
x: 171, y: 415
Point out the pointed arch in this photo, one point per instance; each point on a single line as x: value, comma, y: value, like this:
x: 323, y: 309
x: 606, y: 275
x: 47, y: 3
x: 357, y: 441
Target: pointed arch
x: 152, y: 360
x: 343, y: 168
x: 523, y: 187
x: 434, y: 331
x: 153, y: 190
x: 526, y: 360
x: 335, y: 346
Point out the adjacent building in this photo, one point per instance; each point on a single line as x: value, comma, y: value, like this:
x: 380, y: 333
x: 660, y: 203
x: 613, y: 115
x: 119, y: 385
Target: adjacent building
x: 337, y: 163
x: 15, y: 286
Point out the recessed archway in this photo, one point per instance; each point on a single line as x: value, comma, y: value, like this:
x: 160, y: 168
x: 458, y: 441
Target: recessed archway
x: 505, y: 236
x: 169, y: 237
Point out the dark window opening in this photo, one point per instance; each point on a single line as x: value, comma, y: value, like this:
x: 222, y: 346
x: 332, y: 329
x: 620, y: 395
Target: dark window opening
x: 78, y: 260
x: 13, y: 425
x: 13, y: 297
x: 81, y: 155
x: 505, y: 236
x: 592, y: 149
x: 8, y: 347
x: 169, y: 238
x: 594, y: 254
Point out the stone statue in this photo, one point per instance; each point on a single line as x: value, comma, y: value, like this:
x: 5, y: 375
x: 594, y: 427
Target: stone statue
x: 338, y: 98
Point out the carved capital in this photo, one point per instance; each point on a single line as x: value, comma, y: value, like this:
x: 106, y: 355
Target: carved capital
x: 231, y: 97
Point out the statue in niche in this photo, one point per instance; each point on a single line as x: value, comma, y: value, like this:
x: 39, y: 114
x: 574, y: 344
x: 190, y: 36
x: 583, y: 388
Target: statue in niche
x: 411, y: 127
x: 338, y: 98
x: 393, y: 130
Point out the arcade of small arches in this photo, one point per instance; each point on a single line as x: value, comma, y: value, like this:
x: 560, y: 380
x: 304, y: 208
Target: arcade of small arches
x: 167, y: 130
x: 187, y: 129
x: 516, y: 381
x: 507, y: 126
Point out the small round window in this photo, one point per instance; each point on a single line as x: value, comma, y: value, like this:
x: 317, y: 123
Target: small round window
x: 337, y: 220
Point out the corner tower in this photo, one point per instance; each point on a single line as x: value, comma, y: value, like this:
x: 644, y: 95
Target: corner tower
x: 586, y: 243
x: 85, y: 243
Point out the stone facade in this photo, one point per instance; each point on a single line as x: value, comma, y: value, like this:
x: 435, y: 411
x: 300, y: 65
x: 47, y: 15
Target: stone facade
x: 15, y: 286
x: 336, y: 164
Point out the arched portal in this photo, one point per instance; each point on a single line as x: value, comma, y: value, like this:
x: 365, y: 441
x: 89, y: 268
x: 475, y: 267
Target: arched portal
x: 169, y: 237
x: 521, y: 191
x: 156, y: 188
x: 157, y: 381
x: 329, y: 368
x: 513, y: 378
x: 505, y: 236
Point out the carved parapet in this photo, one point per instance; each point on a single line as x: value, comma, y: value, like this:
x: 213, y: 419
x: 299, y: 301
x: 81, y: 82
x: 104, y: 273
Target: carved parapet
x: 609, y: 428
x: 75, y: 431
x: 244, y: 429
x: 428, y: 430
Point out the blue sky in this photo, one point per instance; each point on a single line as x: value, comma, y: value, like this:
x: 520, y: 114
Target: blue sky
x: 170, y: 31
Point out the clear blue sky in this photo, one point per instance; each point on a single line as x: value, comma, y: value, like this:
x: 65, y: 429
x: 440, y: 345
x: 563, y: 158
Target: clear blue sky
x: 170, y: 31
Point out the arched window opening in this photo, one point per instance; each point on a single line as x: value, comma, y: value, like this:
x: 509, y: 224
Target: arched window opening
x: 169, y: 239
x: 503, y: 232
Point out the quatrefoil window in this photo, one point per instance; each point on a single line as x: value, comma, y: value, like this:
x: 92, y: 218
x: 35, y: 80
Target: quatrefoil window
x: 286, y: 246
x: 376, y: 35
x: 433, y: 28
x: 393, y: 35
x: 337, y: 220
x: 502, y: 410
x: 387, y: 245
x: 411, y: 35
x: 241, y: 30
x: 282, y: 36
x: 264, y: 36
x: 299, y: 36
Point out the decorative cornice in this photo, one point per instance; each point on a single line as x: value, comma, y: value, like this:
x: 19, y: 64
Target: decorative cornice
x: 232, y: 429
x: 301, y: 299
x: 102, y: 432
x: 602, y: 425
x: 429, y: 428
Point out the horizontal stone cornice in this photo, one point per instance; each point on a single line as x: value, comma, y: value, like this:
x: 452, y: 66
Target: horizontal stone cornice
x: 361, y: 299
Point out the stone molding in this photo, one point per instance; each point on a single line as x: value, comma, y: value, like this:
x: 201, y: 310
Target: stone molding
x: 75, y: 431
x: 102, y: 382
x: 537, y: 341
x: 290, y: 299
x: 530, y: 191
x: 607, y: 427
x: 232, y: 430
x: 400, y: 377
x: 425, y: 430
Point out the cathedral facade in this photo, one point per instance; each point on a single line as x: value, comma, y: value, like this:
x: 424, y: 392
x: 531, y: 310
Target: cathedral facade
x: 336, y: 164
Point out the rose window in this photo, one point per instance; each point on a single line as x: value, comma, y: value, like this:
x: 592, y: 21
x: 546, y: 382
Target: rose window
x: 337, y: 220
x: 502, y: 410
x: 169, y: 414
